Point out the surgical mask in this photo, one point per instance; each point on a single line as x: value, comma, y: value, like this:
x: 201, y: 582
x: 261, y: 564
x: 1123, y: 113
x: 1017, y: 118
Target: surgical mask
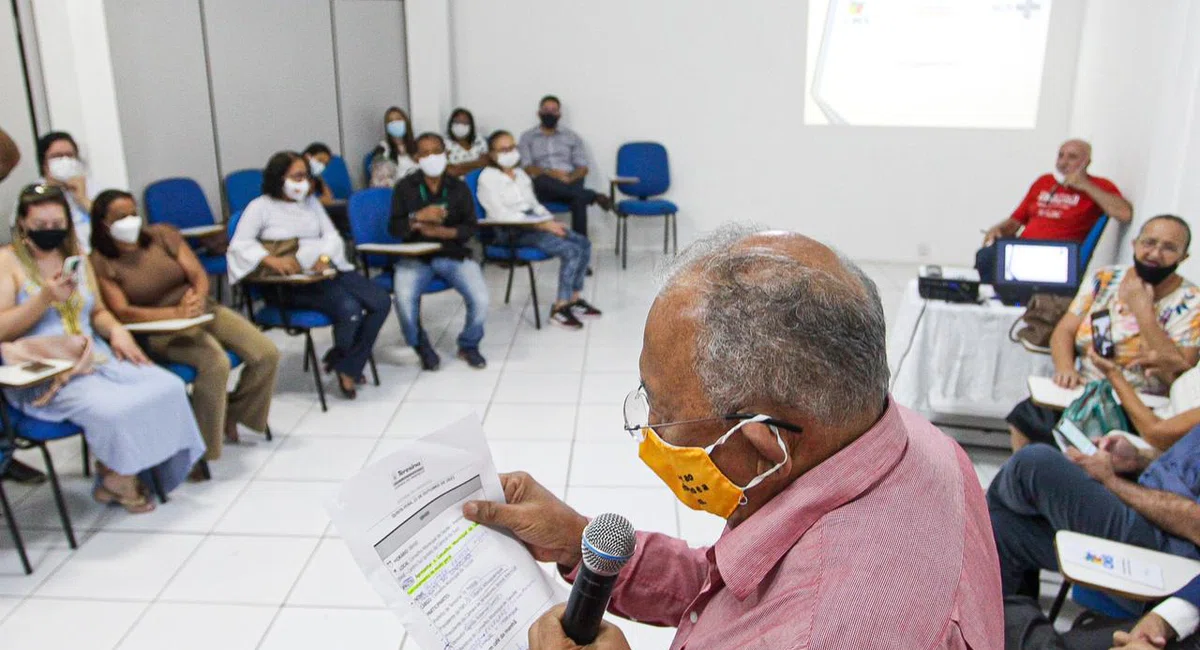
x: 433, y: 165
x: 315, y: 167
x: 460, y: 130
x: 397, y: 128
x: 693, y: 476
x: 509, y: 159
x: 549, y: 120
x: 295, y: 190
x: 48, y: 239
x: 126, y: 229
x: 64, y: 168
x: 1155, y: 275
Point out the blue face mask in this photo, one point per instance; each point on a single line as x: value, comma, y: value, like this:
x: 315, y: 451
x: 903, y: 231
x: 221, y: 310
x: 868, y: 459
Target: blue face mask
x: 397, y: 128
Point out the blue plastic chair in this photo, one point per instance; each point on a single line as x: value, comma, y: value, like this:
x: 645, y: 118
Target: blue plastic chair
x: 189, y: 373
x: 507, y: 255
x: 337, y: 177
x: 181, y: 203
x: 7, y: 446
x: 29, y: 431
x: 646, y: 161
x: 1090, y: 599
x: 242, y: 187
x: 1088, y: 247
x: 367, y: 167
x: 296, y: 322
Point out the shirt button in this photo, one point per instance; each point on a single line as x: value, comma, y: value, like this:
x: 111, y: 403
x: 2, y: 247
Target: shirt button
x: 693, y: 617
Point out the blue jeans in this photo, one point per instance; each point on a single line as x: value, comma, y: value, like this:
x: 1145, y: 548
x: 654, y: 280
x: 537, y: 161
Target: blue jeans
x: 412, y: 275
x: 357, y: 307
x: 573, y: 251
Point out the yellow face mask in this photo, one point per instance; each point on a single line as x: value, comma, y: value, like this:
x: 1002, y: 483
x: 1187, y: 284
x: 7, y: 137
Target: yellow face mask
x: 693, y: 476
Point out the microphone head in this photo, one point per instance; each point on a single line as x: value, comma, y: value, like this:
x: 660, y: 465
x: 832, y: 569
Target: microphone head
x: 608, y: 543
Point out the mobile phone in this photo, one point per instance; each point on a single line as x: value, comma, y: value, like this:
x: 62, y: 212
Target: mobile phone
x: 1068, y: 432
x: 36, y: 366
x: 73, y: 268
x: 1102, y: 340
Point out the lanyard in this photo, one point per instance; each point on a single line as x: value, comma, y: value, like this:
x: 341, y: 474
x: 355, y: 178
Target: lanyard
x: 425, y: 193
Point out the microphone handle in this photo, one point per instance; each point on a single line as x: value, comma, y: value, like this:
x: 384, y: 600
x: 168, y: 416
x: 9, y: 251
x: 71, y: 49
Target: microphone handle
x: 586, y: 605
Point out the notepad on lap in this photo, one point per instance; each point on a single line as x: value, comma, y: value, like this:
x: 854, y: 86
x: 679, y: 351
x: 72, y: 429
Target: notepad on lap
x: 1045, y: 392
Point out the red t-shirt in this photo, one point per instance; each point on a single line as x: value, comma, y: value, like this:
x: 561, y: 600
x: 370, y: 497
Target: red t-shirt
x: 1052, y: 211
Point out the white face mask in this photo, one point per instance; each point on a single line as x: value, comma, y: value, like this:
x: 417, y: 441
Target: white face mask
x: 433, y: 165
x: 460, y: 130
x: 315, y: 167
x: 295, y: 190
x: 64, y: 168
x: 509, y: 159
x: 126, y: 229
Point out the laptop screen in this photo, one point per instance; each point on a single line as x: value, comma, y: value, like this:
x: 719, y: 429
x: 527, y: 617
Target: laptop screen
x: 1034, y: 263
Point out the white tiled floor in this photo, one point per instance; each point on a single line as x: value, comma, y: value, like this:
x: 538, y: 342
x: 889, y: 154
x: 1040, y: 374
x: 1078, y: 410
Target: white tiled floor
x: 250, y: 560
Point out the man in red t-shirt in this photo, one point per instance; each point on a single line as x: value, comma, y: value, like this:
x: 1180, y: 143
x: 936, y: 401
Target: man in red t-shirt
x: 1062, y: 206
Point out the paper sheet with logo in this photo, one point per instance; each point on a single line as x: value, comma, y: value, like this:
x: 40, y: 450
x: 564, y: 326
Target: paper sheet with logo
x: 454, y: 584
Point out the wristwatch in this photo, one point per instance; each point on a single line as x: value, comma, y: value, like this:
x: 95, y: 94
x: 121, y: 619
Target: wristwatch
x: 326, y: 259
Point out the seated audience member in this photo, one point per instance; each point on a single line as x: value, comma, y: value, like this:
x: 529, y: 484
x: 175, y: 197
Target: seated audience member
x: 1172, y: 625
x: 393, y: 157
x: 58, y: 158
x: 432, y: 206
x: 148, y: 273
x: 465, y: 148
x: 1162, y: 427
x: 286, y: 231
x: 1062, y: 206
x: 1152, y: 309
x: 135, y: 416
x: 852, y: 522
x: 556, y: 160
x: 318, y: 156
x: 1145, y: 498
x: 506, y: 193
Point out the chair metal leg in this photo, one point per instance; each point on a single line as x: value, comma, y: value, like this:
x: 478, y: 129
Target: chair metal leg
x: 310, y: 353
x: 624, y: 244
x: 12, y: 530
x: 58, y: 497
x: 157, y: 486
x: 666, y: 231
x: 675, y: 233
x: 374, y: 370
x: 1059, y: 600
x: 220, y: 290
x: 512, y: 268
x: 204, y: 469
x: 86, y: 453
x: 617, y: 243
x: 268, y: 432
x: 537, y: 315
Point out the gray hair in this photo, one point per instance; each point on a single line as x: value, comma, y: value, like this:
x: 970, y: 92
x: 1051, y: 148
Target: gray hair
x: 771, y: 328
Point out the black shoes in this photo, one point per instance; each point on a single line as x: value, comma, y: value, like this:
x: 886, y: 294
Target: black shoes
x: 22, y: 473
x: 565, y: 317
x: 472, y: 357
x: 429, y: 358
x: 581, y: 307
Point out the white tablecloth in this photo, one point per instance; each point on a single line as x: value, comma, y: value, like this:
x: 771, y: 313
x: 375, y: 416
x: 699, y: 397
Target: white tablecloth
x: 961, y: 361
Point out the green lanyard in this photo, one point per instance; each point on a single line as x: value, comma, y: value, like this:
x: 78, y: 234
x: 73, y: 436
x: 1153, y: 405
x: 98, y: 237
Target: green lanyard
x: 441, y: 194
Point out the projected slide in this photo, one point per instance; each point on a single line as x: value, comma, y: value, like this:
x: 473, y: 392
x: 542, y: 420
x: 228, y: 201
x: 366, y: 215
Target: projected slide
x: 926, y: 63
x: 1037, y: 264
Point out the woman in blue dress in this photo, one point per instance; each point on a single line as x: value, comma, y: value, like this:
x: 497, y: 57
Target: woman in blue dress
x: 134, y: 415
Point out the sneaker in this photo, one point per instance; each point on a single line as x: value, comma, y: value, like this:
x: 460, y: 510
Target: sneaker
x: 581, y: 307
x: 472, y: 357
x: 565, y: 317
x: 429, y: 359
x: 22, y: 473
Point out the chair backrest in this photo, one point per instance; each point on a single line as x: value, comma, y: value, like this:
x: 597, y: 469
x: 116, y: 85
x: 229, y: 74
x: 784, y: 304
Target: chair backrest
x: 367, y: 167
x: 242, y: 187
x: 486, y: 235
x: 1089, y: 244
x: 337, y: 177
x: 370, y: 212
x: 177, y: 201
x: 648, y: 162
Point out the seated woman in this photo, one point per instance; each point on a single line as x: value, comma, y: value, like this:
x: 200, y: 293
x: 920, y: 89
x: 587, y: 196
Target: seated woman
x: 302, y: 239
x: 506, y: 193
x: 393, y: 157
x: 58, y: 158
x: 465, y: 149
x: 135, y: 415
x: 318, y: 156
x: 1160, y: 427
x: 149, y: 273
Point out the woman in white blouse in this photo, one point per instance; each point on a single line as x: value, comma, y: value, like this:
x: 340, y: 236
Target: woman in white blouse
x: 393, y: 157
x: 288, y: 210
x: 506, y: 194
x: 58, y: 158
x: 465, y: 148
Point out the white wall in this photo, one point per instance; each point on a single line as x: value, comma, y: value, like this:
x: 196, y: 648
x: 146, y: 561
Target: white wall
x: 14, y: 119
x: 721, y: 84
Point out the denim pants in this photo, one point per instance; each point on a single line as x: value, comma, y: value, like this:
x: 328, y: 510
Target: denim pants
x: 357, y: 307
x: 573, y: 251
x: 413, y: 274
x: 574, y: 194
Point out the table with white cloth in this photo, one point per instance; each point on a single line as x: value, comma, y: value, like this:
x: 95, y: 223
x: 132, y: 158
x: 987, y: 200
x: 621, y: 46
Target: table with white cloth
x: 956, y: 359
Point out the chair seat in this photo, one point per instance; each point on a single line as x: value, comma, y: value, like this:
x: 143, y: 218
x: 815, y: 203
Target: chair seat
x: 188, y: 373
x: 647, y: 208
x: 1098, y: 601
x: 302, y: 318
x: 31, y: 428
x: 387, y: 282
x: 214, y: 264
x: 555, y: 207
x: 523, y: 253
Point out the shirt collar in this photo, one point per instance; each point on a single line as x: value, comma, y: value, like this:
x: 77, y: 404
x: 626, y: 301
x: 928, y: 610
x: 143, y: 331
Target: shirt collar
x: 746, y: 554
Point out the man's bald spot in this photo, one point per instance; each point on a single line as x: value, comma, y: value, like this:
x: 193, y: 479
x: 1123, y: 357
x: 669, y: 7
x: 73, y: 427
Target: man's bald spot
x: 1084, y: 144
x: 804, y: 250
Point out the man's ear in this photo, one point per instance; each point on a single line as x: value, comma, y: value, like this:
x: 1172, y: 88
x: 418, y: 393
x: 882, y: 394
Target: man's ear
x: 766, y: 444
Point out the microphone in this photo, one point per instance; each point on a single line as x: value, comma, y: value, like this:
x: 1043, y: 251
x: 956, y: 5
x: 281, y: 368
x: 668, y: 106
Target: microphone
x: 608, y: 543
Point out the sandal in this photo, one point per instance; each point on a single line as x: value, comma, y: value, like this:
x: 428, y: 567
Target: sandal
x: 135, y: 505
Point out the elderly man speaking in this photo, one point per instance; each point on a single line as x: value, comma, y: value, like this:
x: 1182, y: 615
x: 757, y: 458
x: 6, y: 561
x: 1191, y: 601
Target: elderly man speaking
x: 852, y: 521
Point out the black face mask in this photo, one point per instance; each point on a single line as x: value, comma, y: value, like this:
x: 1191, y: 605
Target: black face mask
x: 549, y: 120
x: 1153, y: 274
x: 48, y: 239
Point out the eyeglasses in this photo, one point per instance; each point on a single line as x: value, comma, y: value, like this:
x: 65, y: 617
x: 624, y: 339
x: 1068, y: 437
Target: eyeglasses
x: 637, y: 415
x: 32, y: 193
x: 1150, y: 243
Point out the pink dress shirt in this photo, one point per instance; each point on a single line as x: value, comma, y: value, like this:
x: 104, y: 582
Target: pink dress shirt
x: 887, y: 544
